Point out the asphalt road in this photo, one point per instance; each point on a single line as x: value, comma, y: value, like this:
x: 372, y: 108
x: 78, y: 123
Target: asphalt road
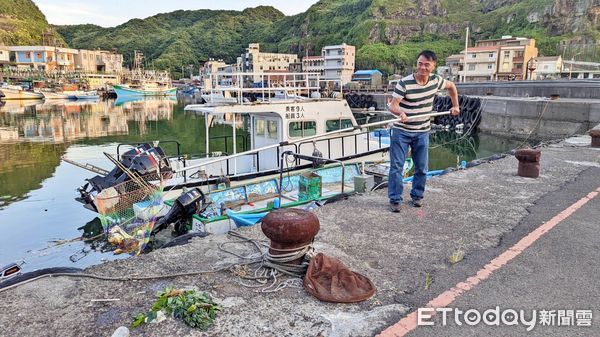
x: 557, y: 273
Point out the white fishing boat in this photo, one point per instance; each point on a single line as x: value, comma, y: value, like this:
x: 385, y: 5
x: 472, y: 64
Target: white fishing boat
x: 90, y: 94
x: 54, y: 94
x: 16, y: 92
x: 215, y: 98
x: 307, y: 128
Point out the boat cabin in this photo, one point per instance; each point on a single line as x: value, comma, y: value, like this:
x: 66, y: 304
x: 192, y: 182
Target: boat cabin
x: 277, y: 123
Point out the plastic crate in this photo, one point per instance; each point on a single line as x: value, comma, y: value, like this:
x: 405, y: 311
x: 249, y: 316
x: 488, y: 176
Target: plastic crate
x: 309, y: 186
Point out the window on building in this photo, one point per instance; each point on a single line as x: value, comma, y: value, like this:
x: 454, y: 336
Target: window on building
x: 490, y: 66
x: 506, y: 53
x: 519, y: 66
x: 505, y: 66
x: 473, y: 56
x: 491, y: 55
x: 471, y: 67
x: 337, y: 124
x: 302, y: 128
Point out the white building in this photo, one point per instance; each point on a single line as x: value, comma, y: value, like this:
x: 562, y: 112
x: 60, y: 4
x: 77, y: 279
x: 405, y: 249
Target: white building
x: 47, y: 58
x: 100, y: 61
x: 338, y: 63
x: 253, y: 60
x: 548, y: 67
x: 482, y: 63
x: 4, y: 55
x: 44, y: 57
x: 580, y: 69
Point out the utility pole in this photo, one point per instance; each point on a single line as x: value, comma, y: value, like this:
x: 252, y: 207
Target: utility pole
x: 465, y: 58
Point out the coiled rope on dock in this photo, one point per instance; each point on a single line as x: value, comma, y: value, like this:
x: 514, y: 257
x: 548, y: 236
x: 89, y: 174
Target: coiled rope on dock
x: 270, y: 266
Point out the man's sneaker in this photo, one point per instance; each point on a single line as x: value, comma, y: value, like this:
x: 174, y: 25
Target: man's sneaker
x: 395, y: 207
x: 416, y: 203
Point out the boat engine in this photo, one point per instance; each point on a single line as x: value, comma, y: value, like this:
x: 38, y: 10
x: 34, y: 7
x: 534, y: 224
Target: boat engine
x: 180, y: 215
x: 142, y: 160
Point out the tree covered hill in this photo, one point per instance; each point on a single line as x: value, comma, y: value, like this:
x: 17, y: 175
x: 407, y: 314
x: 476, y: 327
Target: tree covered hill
x: 22, y: 23
x: 179, y: 38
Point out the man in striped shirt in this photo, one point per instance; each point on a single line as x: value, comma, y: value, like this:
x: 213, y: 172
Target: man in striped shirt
x: 413, y: 97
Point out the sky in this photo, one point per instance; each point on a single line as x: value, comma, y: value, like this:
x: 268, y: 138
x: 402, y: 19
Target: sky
x: 110, y: 13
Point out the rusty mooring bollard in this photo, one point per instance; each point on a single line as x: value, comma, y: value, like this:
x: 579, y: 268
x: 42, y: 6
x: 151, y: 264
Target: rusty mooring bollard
x: 595, y: 133
x: 529, y: 162
x: 289, y: 229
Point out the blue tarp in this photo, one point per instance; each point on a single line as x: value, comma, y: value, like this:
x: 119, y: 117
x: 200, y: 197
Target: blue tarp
x: 249, y: 219
x: 429, y: 175
x: 367, y: 72
x: 245, y: 219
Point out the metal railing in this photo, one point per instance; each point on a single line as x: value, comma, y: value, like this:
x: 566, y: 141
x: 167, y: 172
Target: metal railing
x: 226, y: 140
x: 295, y: 142
x: 354, y: 136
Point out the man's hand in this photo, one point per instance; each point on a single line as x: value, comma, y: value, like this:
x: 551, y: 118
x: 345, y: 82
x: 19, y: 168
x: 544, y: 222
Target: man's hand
x: 403, y: 117
x: 455, y: 111
x: 393, y: 107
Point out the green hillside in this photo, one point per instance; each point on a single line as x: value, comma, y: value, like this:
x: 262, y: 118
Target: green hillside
x: 21, y: 23
x: 387, y: 33
x: 179, y: 38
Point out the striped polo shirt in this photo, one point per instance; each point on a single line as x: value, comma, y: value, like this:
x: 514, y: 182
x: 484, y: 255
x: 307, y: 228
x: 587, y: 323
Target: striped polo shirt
x: 417, y: 100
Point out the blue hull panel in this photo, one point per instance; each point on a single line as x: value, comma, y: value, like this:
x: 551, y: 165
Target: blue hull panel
x: 129, y: 92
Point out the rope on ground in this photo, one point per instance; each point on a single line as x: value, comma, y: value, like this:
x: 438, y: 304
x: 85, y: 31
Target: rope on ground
x: 266, y: 276
x: 125, y: 279
x: 535, y: 125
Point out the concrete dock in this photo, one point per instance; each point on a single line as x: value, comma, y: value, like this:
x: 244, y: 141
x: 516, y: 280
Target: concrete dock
x: 478, y: 213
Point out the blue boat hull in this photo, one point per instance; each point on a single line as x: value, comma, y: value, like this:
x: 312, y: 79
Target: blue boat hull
x: 130, y: 92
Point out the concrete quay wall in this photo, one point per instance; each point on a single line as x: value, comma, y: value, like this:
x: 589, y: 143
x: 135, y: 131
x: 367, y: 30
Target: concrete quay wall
x: 536, y: 117
x: 583, y: 89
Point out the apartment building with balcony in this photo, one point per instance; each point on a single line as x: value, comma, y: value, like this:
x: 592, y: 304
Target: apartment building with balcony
x: 101, y: 61
x: 253, y: 60
x: 515, y: 56
x: 338, y: 63
x: 314, y: 64
x: 44, y: 58
x: 509, y: 58
x: 454, y: 64
x: 47, y: 58
x: 481, y: 65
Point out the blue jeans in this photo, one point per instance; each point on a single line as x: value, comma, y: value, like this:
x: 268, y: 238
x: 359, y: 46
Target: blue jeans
x: 419, y: 144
